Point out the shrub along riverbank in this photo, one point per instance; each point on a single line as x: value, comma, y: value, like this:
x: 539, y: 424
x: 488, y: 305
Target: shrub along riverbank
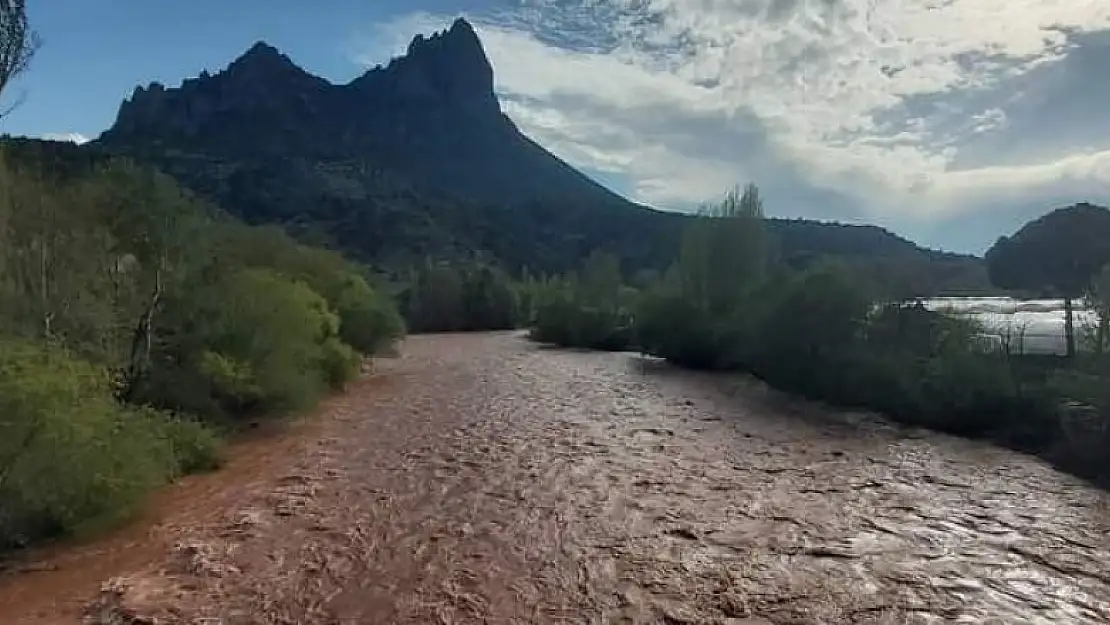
x: 727, y: 304
x: 137, y: 327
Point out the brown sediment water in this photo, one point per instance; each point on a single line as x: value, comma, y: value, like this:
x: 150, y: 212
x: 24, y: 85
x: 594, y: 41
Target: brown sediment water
x: 481, y: 479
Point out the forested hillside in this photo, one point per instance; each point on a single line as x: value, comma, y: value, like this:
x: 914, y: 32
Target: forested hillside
x: 416, y: 161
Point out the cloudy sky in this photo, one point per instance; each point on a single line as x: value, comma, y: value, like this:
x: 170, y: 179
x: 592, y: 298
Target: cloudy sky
x: 949, y: 121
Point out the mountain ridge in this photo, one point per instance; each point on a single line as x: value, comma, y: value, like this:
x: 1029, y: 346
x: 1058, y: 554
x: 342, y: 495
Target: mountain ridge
x: 412, y: 159
x: 428, y: 115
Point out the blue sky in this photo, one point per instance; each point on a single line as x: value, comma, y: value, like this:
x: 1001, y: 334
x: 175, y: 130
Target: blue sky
x: 949, y: 121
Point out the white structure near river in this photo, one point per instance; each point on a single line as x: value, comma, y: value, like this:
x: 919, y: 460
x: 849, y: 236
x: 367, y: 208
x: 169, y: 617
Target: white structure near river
x: 1036, y: 326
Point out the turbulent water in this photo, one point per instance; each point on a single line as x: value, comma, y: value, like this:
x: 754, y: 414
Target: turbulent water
x: 481, y: 479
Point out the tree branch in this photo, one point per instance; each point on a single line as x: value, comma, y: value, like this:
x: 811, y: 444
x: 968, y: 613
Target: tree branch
x: 18, y: 44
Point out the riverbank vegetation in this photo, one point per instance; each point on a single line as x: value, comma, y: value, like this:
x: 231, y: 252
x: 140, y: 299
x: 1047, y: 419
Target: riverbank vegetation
x: 728, y: 302
x: 138, y: 326
x: 457, y: 297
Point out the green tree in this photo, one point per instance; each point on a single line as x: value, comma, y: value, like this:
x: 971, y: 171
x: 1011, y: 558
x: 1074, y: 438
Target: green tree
x: 434, y: 301
x: 252, y: 342
x: 669, y: 324
x: 601, y: 281
x: 464, y: 296
x: 725, y: 251
x: 701, y: 312
x: 594, y: 310
x: 488, y: 299
x: 369, y: 322
x: 70, y: 455
x: 811, y: 325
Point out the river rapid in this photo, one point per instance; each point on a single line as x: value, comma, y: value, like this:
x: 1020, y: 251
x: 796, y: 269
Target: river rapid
x: 482, y: 479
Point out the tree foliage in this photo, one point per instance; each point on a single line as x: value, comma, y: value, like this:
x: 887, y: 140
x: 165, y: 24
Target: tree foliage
x: 459, y: 297
x: 593, y: 309
x: 71, y: 455
x: 136, y: 323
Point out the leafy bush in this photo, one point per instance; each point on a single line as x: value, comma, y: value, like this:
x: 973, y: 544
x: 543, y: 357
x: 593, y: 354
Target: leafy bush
x: 460, y: 297
x: 369, y: 319
x: 811, y: 321
x: 70, y: 456
x: 1083, y: 444
x: 369, y: 322
x: 671, y: 326
x: 196, y: 446
x: 269, y: 333
x: 232, y: 382
x: 594, y: 311
x: 563, y: 317
x: 823, y: 338
x: 257, y: 343
x: 340, y: 363
x: 554, y: 312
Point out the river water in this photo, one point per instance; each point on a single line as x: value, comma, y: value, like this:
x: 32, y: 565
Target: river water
x: 482, y: 479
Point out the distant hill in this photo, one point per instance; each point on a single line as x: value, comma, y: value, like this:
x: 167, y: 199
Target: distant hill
x: 1055, y: 255
x: 417, y: 159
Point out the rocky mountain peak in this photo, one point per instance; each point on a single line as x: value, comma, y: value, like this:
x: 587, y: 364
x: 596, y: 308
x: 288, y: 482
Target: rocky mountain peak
x: 449, y: 67
x: 262, y: 57
x: 460, y: 37
x: 264, y: 68
x: 261, y: 49
x: 445, y: 76
x: 259, y: 81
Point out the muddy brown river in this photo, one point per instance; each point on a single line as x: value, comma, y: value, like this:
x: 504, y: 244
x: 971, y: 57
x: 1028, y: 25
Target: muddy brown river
x: 482, y: 479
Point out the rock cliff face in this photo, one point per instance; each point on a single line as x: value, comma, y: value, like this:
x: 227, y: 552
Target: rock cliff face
x: 258, y: 90
x: 449, y: 70
x: 430, y: 116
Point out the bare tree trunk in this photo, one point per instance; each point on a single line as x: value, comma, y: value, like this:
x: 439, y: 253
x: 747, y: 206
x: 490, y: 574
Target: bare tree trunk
x: 1069, y: 327
x: 1101, y: 332
x: 142, y: 340
x: 44, y: 290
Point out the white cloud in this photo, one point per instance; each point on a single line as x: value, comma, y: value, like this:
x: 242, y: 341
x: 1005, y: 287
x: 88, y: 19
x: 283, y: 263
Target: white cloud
x: 898, y: 110
x: 72, y: 137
